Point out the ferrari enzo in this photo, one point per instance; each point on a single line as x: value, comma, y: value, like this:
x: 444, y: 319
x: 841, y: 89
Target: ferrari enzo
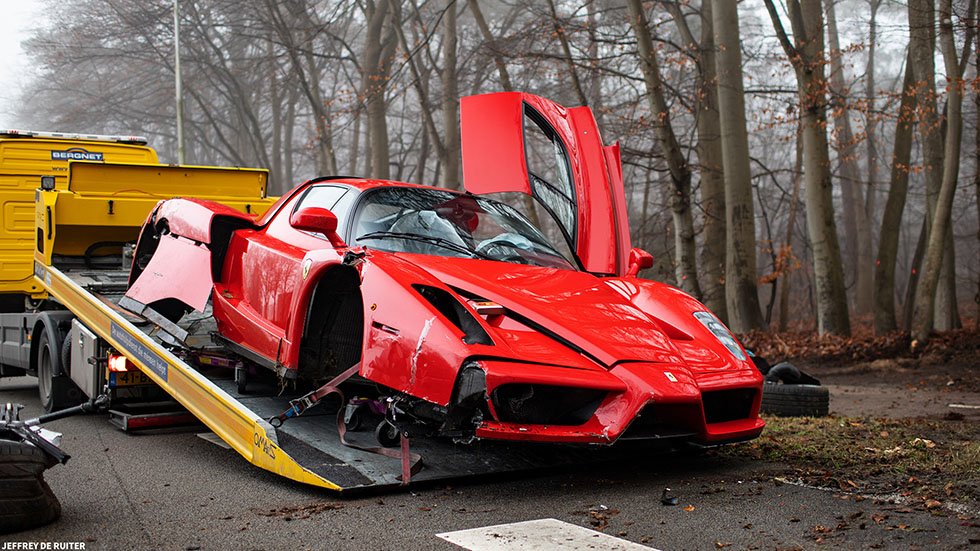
x: 467, y: 318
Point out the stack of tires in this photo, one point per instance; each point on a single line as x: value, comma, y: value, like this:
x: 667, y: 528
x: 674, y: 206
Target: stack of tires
x: 789, y: 392
x: 795, y: 400
x: 26, y: 501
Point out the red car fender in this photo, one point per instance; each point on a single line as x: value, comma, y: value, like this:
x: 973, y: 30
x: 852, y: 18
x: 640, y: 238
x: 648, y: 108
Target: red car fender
x: 408, y: 344
x: 191, y: 218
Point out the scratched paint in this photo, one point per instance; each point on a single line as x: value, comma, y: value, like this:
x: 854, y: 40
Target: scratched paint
x: 418, y: 347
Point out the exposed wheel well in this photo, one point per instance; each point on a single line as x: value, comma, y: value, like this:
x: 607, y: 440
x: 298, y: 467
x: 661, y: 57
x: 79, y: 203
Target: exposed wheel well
x: 334, y: 330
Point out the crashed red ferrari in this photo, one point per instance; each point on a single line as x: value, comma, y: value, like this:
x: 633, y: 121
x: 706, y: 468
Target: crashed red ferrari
x: 461, y: 313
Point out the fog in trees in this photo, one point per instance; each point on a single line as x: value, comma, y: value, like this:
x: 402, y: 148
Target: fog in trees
x: 795, y: 164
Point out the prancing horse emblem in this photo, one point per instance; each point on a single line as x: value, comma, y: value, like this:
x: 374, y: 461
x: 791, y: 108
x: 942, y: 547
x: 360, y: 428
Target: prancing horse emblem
x: 668, y: 374
x: 307, y: 264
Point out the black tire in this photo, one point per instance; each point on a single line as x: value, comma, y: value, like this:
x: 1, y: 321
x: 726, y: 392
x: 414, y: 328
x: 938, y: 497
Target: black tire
x: 33, y: 505
x: 387, y: 434
x: 55, y: 388
x: 20, y: 459
x: 795, y: 400
x: 26, y: 500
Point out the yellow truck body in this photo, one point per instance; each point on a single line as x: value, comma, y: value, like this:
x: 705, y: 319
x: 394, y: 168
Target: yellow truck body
x: 106, y: 186
x: 24, y: 159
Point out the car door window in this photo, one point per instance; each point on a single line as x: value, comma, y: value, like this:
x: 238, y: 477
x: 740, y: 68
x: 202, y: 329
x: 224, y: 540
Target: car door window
x: 549, y: 172
x: 327, y: 197
x: 321, y: 196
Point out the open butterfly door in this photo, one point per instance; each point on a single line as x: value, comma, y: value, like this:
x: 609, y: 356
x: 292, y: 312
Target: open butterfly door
x: 517, y: 142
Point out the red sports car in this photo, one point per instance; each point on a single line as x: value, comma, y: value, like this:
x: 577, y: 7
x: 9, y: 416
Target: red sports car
x: 467, y: 318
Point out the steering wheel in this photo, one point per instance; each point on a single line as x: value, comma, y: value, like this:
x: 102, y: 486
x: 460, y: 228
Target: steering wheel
x: 497, y: 248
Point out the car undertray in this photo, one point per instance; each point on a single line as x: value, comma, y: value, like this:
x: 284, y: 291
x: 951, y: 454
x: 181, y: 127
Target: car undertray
x: 312, y: 440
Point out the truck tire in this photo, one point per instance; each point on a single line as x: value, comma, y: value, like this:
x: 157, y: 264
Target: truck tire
x: 55, y: 387
x: 26, y: 500
x: 795, y: 400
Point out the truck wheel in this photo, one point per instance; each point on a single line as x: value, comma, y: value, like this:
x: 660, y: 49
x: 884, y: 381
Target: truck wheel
x: 56, y: 389
x: 26, y: 501
x: 795, y: 400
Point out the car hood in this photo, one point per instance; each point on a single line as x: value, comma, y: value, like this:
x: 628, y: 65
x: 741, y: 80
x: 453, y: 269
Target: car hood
x: 575, y: 307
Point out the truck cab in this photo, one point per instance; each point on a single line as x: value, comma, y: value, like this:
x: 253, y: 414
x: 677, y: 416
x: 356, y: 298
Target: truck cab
x: 25, y: 158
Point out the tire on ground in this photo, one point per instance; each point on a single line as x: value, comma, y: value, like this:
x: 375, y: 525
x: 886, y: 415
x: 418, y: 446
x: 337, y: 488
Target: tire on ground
x: 26, y: 500
x: 795, y: 400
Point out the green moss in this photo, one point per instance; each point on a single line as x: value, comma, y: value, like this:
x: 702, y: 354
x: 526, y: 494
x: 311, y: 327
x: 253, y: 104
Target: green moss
x: 925, y: 455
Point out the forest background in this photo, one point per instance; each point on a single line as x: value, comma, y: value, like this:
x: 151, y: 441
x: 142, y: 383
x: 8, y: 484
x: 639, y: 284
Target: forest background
x: 799, y: 165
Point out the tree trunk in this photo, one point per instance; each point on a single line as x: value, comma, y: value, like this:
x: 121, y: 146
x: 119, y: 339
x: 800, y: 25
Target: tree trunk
x: 925, y: 296
x: 685, y: 268
x: 853, y: 199
x: 488, y: 37
x: 891, y: 220
x: 451, y: 177
x: 794, y: 206
x: 530, y: 210
x: 807, y: 56
x: 373, y: 86
x: 274, y: 187
x: 741, y: 292
x: 567, y: 54
x: 709, y: 158
x: 866, y: 240
x: 288, y: 138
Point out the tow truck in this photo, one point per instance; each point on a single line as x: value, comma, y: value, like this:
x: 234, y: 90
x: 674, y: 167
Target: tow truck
x: 72, y: 206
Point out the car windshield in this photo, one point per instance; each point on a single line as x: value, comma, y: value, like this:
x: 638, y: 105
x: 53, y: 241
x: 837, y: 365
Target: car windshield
x: 434, y: 222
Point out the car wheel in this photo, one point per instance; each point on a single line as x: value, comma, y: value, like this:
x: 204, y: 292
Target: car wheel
x: 56, y: 390
x: 354, y: 420
x: 387, y: 434
x: 795, y: 400
x: 26, y: 500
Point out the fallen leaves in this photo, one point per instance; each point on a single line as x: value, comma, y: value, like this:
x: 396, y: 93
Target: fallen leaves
x: 922, y: 442
x: 862, y: 346
x: 300, y: 511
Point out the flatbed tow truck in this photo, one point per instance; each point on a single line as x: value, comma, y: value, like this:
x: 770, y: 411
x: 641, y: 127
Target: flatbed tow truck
x: 68, y: 202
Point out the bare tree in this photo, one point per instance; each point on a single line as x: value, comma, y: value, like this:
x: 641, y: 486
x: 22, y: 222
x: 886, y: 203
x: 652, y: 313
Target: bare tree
x: 925, y: 296
x: 680, y: 173
x: 377, y: 57
x: 856, y: 223
x: 806, y: 53
x: 741, y: 291
x: 451, y: 176
x: 709, y: 157
x: 891, y: 220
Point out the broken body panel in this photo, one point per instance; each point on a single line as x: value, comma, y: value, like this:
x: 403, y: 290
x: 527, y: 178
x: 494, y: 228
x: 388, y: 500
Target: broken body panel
x: 470, y: 341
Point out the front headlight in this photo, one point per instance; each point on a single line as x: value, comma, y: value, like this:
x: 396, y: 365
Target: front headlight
x: 721, y: 333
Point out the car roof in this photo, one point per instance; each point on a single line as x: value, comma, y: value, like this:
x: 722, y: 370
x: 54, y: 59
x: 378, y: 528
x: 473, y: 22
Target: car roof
x: 365, y: 184
x: 360, y: 184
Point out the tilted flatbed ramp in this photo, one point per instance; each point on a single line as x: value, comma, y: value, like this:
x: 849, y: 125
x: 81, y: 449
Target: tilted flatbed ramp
x: 306, y: 448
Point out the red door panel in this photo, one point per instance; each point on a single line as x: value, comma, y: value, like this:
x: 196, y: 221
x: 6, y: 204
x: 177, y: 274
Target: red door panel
x: 516, y: 142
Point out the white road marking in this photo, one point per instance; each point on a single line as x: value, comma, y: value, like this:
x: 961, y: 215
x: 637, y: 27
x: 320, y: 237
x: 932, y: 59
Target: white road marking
x: 542, y: 534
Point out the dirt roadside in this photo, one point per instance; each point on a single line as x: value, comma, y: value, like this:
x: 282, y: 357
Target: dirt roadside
x: 904, y: 431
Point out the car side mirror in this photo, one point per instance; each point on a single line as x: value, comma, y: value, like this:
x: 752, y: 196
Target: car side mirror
x: 317, y: 220
x: 639, y: 260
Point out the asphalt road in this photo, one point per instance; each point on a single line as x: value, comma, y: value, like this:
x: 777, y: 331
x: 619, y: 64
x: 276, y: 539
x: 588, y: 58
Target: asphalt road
x: 178, y: 491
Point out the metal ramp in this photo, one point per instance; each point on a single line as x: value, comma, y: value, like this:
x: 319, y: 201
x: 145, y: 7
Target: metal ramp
x: 312, y: 441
